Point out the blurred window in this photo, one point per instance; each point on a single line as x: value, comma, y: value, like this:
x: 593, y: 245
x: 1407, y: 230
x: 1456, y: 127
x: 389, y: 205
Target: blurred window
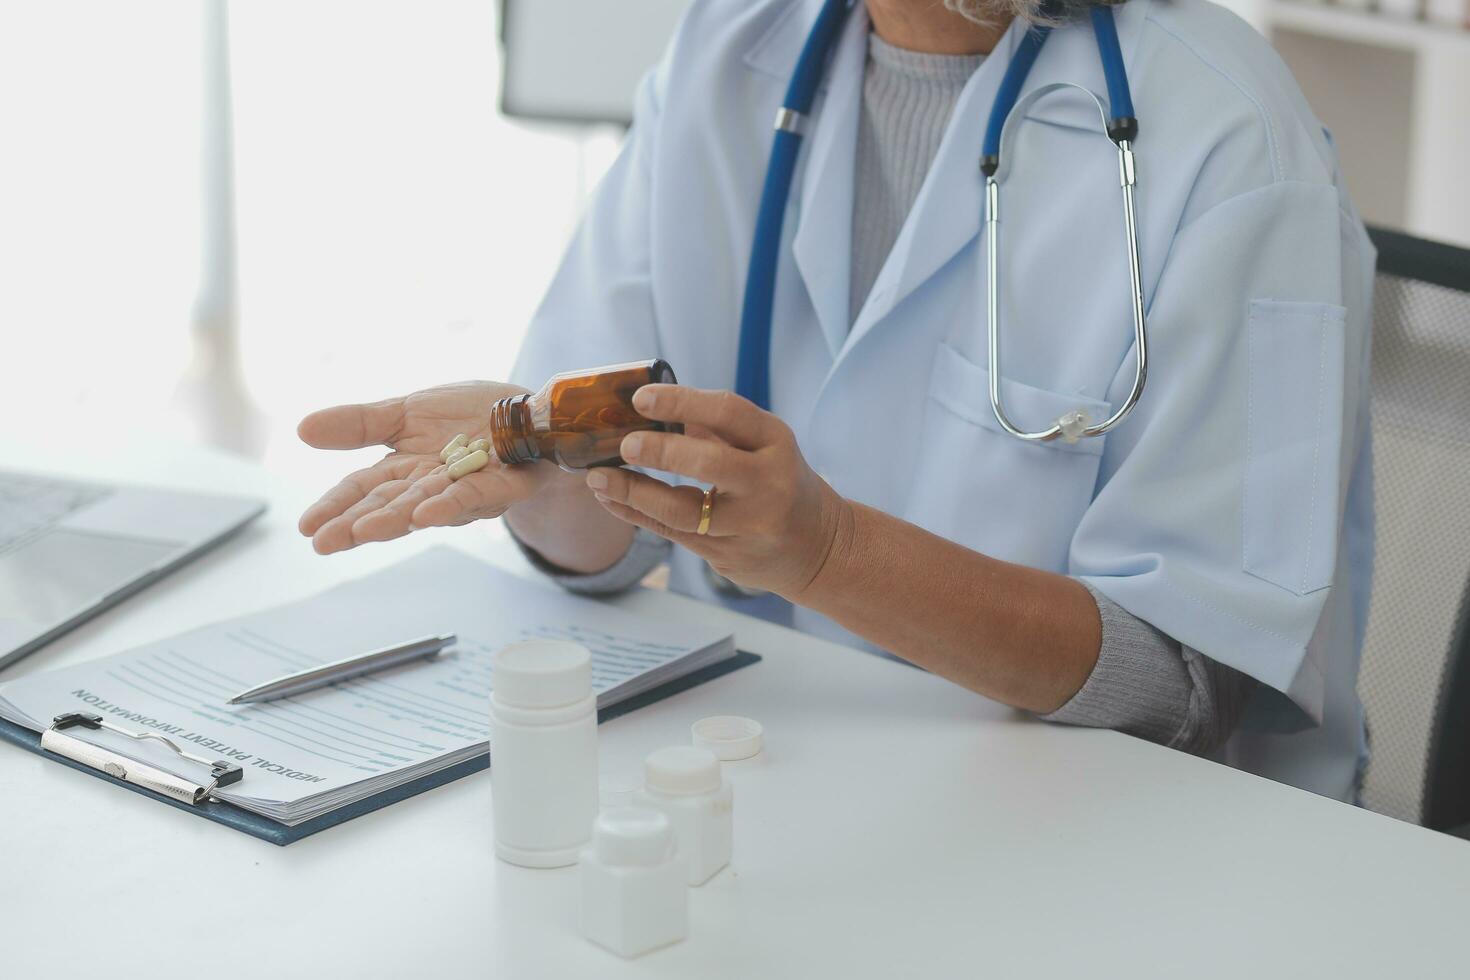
x: 392, y: 230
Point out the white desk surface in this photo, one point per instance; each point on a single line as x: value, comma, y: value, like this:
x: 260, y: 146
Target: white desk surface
x: 896, y: 826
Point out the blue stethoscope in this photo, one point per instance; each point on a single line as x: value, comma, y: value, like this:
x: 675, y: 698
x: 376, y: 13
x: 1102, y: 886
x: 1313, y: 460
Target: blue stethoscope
x: 753, y: 367
x: 752, y: 378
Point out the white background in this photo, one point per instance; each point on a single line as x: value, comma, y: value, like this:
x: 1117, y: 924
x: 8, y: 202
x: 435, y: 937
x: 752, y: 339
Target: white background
x: 393, y: 230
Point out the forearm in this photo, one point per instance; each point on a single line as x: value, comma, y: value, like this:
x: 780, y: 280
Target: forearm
x: 564, y: 524
x: 1019, y: 635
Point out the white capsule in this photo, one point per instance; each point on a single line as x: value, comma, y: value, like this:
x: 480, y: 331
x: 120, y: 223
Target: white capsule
x: 468, y: 464
x: 457, y: 455
x: 454, y: 444
x: 479, y: 444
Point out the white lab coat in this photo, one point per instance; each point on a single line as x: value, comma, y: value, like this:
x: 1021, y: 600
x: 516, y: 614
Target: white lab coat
x: 1232, y: 509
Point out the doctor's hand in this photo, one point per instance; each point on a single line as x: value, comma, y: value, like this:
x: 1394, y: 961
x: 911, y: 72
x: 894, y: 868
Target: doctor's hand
x: 773, y: 521
x: 408, y: 488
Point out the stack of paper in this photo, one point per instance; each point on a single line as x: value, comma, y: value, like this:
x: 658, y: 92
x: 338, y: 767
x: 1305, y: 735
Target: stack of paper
x: 311, y: 753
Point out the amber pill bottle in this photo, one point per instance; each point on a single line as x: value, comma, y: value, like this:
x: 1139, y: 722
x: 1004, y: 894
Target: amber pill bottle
x: 577, y: 419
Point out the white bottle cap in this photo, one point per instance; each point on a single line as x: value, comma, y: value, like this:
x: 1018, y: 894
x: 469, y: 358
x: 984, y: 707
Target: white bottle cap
x: 629, y: 836
x: 682, y: 770
x: 728, y: 737
x: 542, y: 674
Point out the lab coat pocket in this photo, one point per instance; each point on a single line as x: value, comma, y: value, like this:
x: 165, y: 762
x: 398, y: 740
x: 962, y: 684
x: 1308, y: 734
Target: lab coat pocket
x: 986, y: 489
x: 1289, y: 503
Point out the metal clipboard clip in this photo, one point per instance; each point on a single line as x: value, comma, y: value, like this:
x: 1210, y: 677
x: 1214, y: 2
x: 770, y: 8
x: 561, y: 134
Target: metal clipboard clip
x: 54, y: 739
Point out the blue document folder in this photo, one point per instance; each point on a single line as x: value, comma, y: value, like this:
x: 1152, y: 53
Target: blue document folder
x: 279, y: 833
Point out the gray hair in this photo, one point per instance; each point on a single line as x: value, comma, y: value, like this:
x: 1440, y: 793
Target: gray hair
x: 989, y: 12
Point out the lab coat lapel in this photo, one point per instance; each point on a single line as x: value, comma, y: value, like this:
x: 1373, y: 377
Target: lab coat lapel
x: 947, y: 213
x: 822, y: 245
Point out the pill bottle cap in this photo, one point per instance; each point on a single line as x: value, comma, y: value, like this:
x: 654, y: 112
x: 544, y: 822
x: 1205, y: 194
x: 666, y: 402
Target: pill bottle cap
x: 629, y: 836
x: 542, y: 674
x: 728, y: 737
x: 682, y: 770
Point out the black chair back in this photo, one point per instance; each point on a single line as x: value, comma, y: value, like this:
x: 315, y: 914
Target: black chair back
x: 1415, y: 678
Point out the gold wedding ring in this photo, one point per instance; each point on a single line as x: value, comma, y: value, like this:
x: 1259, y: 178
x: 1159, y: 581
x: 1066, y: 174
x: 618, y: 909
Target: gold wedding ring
x: 705, y: 510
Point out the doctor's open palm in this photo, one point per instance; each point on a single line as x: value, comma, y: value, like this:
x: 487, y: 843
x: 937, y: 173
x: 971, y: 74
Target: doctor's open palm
x: 408, y: 488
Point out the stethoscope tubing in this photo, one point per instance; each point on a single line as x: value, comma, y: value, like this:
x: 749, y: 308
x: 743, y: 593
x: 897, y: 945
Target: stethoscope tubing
x: 753, y: 363
x: 1121, y: 126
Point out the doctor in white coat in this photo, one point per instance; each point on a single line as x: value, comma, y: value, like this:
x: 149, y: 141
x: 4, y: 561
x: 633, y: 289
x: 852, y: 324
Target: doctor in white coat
x: 1197, y: 575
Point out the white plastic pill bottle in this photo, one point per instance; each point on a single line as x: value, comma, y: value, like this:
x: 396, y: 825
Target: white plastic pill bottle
x: 543, y: 752
x: 633, y: 893
x: 685, y: 783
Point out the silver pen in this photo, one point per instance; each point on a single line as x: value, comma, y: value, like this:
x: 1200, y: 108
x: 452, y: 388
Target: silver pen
x: 340, y: 670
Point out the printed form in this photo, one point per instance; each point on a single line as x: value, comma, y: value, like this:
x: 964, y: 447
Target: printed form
x: 305, y: 754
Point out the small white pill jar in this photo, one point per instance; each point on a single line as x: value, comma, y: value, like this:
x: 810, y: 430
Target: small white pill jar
x: 685, y: 784
x: 633, y: 893
x: 543, y: 752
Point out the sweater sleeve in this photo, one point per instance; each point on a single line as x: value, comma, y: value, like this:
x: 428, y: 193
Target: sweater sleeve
x: 1149, y: 685
x: 642, y: 556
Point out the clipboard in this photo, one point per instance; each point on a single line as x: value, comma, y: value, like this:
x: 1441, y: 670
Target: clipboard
x: 58, y: 744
